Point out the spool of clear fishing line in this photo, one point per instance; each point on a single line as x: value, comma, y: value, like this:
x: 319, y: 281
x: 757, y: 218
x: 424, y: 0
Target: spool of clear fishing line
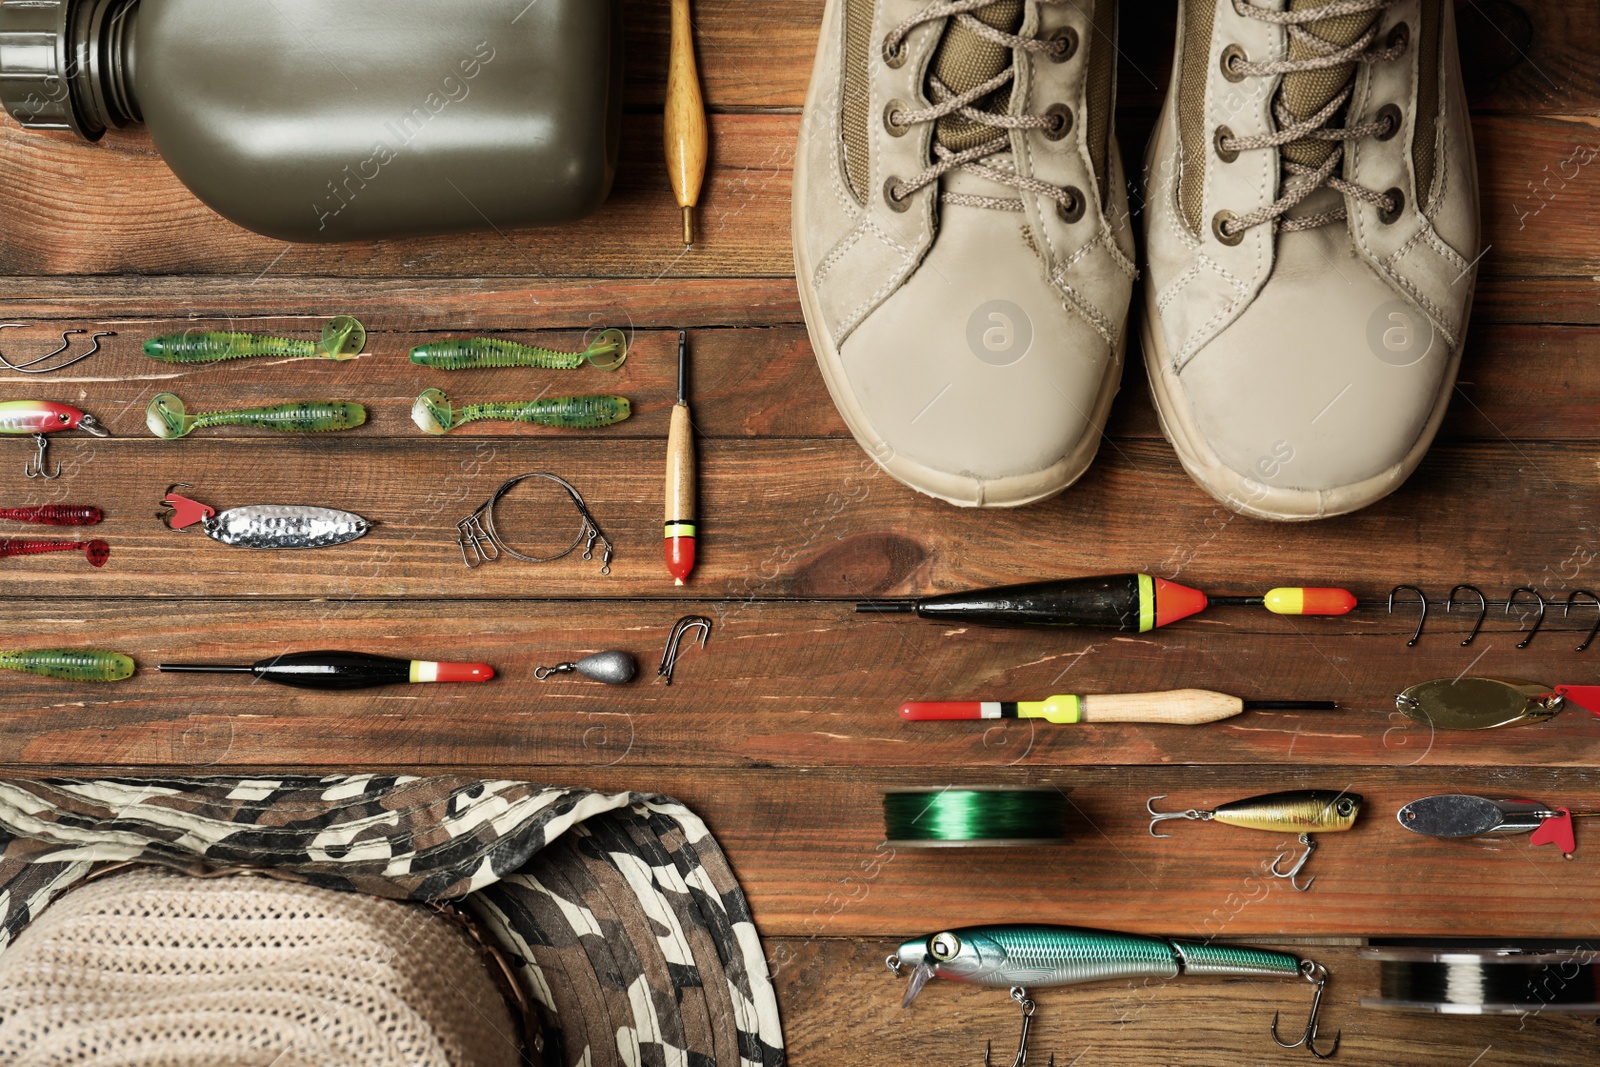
x: 975, y: 816
x: 1485, y: 981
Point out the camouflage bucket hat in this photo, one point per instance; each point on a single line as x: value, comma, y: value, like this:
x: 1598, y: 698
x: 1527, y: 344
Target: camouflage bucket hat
x: 618, y: 914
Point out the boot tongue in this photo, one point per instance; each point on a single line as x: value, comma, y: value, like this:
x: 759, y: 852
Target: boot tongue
x: 964, y: 60
x: 1305, y: 93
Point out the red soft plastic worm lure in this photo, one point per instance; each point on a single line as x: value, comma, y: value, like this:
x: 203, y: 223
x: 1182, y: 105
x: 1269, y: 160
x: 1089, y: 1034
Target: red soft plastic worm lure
x: 53, y: 515
x: 96, y: 552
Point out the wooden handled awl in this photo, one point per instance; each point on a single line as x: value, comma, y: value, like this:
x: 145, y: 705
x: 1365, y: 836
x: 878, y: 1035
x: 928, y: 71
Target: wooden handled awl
x: 678, y: 530
x: 1185, y: 707
x: 685, y: 124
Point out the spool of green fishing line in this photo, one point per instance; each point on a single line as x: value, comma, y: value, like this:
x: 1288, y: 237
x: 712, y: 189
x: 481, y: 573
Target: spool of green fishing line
x: 994, y: 817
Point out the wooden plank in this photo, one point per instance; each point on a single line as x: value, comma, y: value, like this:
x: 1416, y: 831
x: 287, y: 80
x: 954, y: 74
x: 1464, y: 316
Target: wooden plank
x: 748, y: 382
x: 113, y: 207
x: 779, y: 684
x: 808, y: 849
x: 522, y: 303
x: 783, y: 518
x: 499, y: 303
x: 841, y: 1008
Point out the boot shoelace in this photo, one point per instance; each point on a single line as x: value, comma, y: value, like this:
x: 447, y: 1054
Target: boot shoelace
x: 1304, y: 179
x: 1069, y: 201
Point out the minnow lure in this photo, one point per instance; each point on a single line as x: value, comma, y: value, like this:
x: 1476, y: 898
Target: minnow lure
x: 1463, y: 815
x: 39, y: 417
x: 1024, y: 956
x: 342, y: 338
x: 1308, y: 811
x: 70, y: 664
x: 53, y: 515
x: 168, y: 420
x: 1487, y: 703
x: 607, y: 352
x: 433, y: 412
x: 96, y: 552
x: 263, y: 525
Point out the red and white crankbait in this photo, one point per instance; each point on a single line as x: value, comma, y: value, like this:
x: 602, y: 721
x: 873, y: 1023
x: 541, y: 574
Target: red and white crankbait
x: 39, y: 417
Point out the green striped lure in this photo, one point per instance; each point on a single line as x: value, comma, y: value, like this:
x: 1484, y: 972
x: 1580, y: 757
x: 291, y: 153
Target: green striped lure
x: 169, y: 420
x: 433, y: 413
x: 1024, y: 956
x: 998, y: 818
x: 342, y: 338
x: 70, y: 664
x: 607, y: 352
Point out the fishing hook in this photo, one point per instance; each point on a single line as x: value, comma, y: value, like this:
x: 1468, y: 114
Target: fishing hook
x: 1593, y: 629
x: 1317, y: 975
x: 669, y: 656
x: 23, y: 368
x: 34, y: 468
x: 1423, y: 597
x: 1160, y: 816
x: 1538, y: 622
x: 1293, y: 872
x: 1483, y: 609
x: 1019, y: 995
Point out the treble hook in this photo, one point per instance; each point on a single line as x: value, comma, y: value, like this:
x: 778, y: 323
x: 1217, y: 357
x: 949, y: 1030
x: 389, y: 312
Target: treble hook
x: 1593, y: 629
x: 1420, y: 596
x: 1299, y: 865
x: 1161, y: 816
x: 34, y: 468
x: 1317, y: 975
x: 1538, y: 622
x: 1019, y: 995
x: 1483, y: 609
x: 669, y: 656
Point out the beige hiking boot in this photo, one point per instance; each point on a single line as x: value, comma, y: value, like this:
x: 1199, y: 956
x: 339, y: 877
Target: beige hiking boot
x: 961, y: 238
x: 1312, y: 238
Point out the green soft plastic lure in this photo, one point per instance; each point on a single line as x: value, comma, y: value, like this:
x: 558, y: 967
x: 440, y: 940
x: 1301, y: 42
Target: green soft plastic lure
x: 433, y: 413
x: 607, y: 352
x: 70, y: 664
x: 1025, y: 956
x: 168, y: 419
x: 342, y: 338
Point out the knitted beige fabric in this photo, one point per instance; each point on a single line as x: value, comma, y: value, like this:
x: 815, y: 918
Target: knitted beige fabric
x: 152, y: 968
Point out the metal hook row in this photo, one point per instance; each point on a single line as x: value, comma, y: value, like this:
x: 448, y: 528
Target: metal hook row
x: 1520, y: 591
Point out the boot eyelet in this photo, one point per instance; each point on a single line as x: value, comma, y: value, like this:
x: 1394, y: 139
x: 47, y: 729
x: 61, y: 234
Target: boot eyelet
x: 895, y: 58
x: 1232, y: 57
x: 1400, y: 36
x: 1063, y: 44
x: 1219, y: 220
x: 1062, y: 124
x: 1227, y: 155
x: 1398, y: 199
x: 895, y: 129
x: 1391, y: 114
x: 891, y: 195
x: 1074, y: 211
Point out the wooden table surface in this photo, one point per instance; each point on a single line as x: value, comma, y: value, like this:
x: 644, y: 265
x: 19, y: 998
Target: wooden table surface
x: 783, y: 732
